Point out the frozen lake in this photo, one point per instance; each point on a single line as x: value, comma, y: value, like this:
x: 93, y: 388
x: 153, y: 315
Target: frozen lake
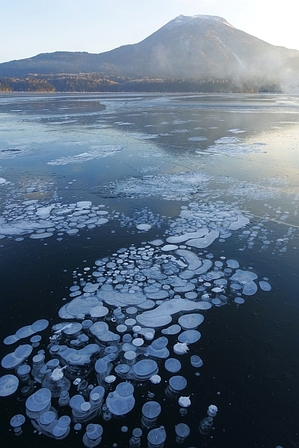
x: 149, y: 254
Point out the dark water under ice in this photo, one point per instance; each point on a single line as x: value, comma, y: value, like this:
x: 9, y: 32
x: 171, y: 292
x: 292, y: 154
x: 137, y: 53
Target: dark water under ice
x: 146, y: 159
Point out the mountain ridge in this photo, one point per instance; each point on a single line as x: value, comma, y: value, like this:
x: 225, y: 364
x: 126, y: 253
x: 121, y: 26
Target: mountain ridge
x: 187, y: 48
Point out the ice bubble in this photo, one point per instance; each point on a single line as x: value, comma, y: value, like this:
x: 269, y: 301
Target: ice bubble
x: 155, y: 379
x: 245, y: 278
x: 57, y: 374
x: 233, y: 264
x: 138, y: 342
x: 189, y: 336
x: 144, y: 227
x: 249, y: 289
x: 161, y: 315
x: 169, y: 247
x: 121, y: 401
x: 72, y: 329
x: 190, y: 321
x: 99, y: 311
x: 14, y: 359
x: 212, y: 410
x: 47, y: 418
x: 24, y: 332
x: 8, y: 385
x: 180, y: 348
x: 79, y: 305
x: 23, y: 372
x: 11, y: 339
x: 156, y: 437
x: 38, y: 236
x: 17, y: 421
x: 265, y: 286
x: 130, y: 356
x: 145, y: 368
x: 177, y: 383
x: 173, y: 365
x: 187, y: 236
x: 158, y: 348
x: 93, y: 435
x: 110, y: 379
x: 239, y: 300
x: 38, y: 402
x: 39, y: 325
x: 196, y: 361
x: 205, y: 241
x: 173, y: 329
x: 182, y: 431
x: 150, y: 412
x: 157, y: 242
x: 240, y: 222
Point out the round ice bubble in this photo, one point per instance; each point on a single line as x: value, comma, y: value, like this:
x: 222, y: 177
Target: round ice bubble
x: 155, y: 379
x: 190, y: 321
x: 150, y: 412
x: 156, y: 437
x: 39, y: 400
x: 189, y: 336
x: 173, y: 365
x: 17, y: 420
x: 177, y: 383
x: 47, y: 418
x: 145, y: 368
x: 182, y: 431
x: 8, y: 385
x: 212, y: 410
x: 265, y: 286
x: 125, y: 389
x: 196, y: 361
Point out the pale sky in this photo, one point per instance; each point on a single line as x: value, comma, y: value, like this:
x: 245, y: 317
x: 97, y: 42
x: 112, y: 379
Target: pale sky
x: 30, y: 27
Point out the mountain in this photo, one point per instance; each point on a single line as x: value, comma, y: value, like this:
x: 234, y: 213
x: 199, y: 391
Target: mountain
x: 187, y: 48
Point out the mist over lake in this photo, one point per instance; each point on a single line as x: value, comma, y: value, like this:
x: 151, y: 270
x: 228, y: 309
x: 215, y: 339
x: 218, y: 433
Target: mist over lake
x: 149, y: 253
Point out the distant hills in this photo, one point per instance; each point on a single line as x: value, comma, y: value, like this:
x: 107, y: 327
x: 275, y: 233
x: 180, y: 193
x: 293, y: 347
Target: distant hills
x: 199, y: 53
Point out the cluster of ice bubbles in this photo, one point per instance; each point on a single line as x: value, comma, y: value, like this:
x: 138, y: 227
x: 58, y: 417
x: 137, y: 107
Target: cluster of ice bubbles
x: 42, y: 220
x: 95, y: 152
x: 178, y: 186
x: 128, y: 322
